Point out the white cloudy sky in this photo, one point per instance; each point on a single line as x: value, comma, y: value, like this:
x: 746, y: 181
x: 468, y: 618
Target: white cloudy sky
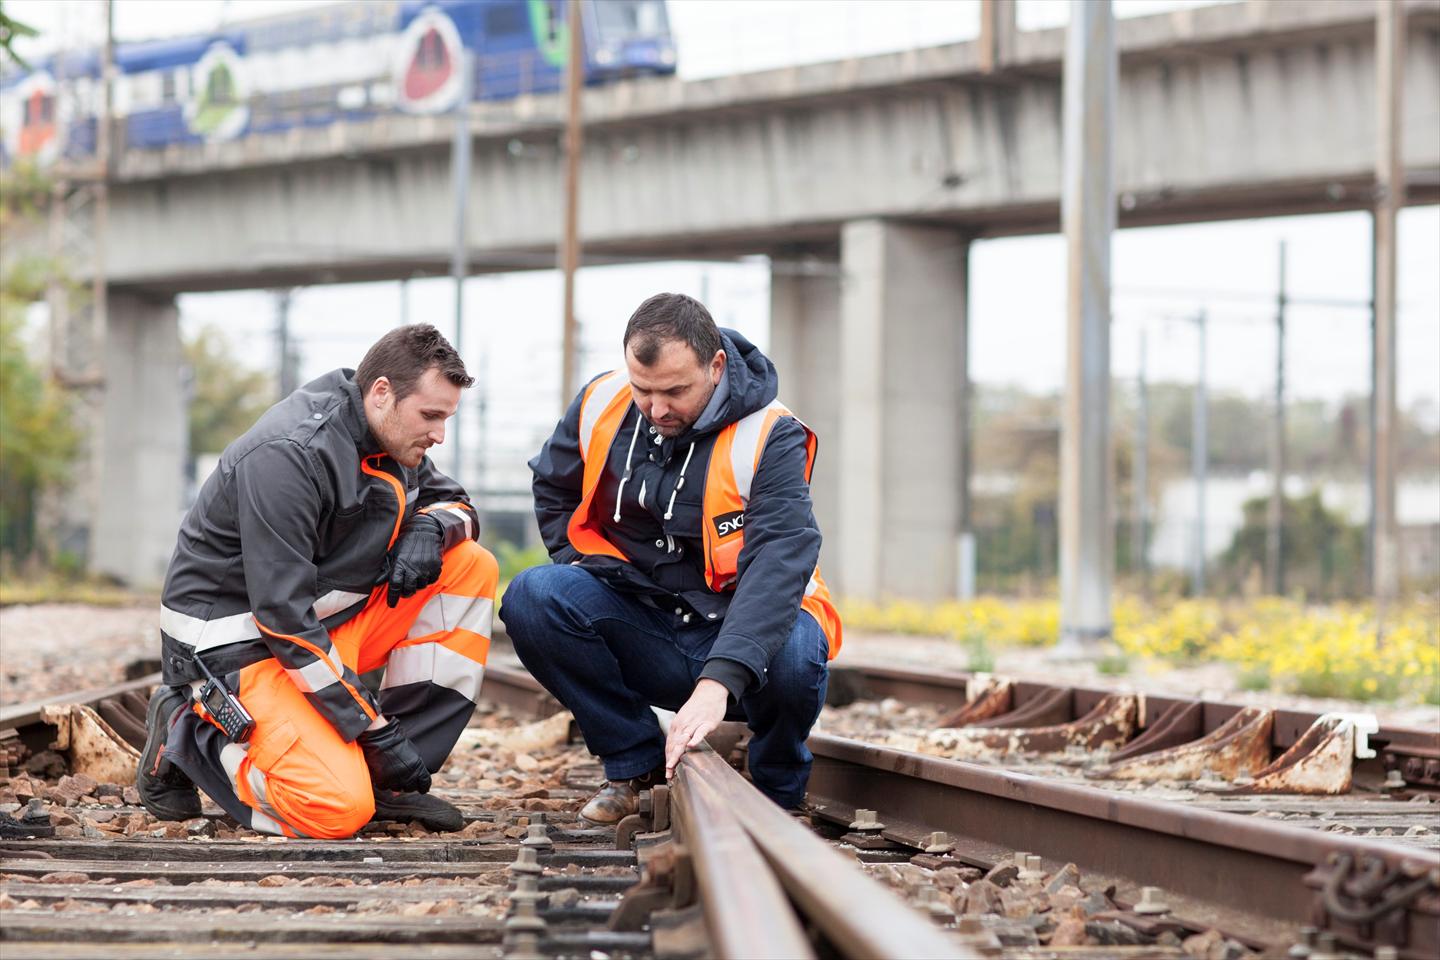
x: 1161, y: 275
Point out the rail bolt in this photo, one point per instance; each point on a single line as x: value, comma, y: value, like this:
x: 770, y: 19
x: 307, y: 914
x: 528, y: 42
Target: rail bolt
x: 527, y: 887
x: 522, y: 945
x: 938, y: 842
x: 527, y: 860
x: 537, y: 837
x: 1031, y: 871
x: 867, y: 821
x: 1150, y: 903
x: 1394, y: 780
x: 524, y: 917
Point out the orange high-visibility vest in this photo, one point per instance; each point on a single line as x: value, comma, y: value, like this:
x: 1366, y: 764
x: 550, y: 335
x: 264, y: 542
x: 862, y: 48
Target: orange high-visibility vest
x: 734, y: 462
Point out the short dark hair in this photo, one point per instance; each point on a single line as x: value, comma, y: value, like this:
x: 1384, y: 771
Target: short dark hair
x: 404, y: 354
x: 671, y: 316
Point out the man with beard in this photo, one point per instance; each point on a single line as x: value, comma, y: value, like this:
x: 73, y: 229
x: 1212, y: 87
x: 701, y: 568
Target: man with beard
x: 674, y: 498
x: 324, y: 545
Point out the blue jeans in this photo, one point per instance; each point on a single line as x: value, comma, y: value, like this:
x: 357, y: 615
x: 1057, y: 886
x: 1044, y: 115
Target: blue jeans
x: 608, y: 657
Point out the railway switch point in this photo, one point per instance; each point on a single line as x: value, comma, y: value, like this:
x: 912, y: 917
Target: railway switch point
x: 1150, y: 903
x: 527, y: 860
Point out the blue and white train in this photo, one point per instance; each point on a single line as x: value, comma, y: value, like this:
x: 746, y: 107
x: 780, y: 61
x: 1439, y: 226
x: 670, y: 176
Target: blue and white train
x: 348, y: 61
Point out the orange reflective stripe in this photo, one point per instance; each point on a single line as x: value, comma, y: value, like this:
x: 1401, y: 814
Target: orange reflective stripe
x: 597, y: 431
x: 339, y: 675
x: 394, y: 485
x: 734, y: 462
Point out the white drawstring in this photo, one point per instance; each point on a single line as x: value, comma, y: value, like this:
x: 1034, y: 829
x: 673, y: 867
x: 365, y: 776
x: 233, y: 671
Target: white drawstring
x: 670, y: 507
x: 626, y: 475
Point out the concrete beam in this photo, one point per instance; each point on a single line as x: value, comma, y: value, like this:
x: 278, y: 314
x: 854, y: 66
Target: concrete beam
x: 902, y: 326
x: 141, y: 469
x: 1209, y: 130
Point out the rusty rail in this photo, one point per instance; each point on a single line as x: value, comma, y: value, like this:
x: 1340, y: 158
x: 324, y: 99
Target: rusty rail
x: 826, y: 886
x: 732, y: 878
x: 1260, y: 873
x: 1411, y: 753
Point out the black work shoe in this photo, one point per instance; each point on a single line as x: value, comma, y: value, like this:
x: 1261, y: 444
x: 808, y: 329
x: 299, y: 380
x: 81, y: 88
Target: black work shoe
x: 428, y: 810
x: 619, y: 798
x: 164, y: 789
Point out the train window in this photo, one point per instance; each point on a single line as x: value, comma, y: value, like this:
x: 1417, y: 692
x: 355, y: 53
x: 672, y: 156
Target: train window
x: 503, y: 19
x: 617, y: 20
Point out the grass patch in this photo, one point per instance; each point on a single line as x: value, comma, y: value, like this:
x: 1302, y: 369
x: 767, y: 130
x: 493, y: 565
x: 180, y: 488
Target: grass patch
x: 59, y: 589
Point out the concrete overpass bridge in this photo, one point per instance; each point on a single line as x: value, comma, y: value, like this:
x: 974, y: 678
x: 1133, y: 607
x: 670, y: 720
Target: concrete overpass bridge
x: 881, y: 169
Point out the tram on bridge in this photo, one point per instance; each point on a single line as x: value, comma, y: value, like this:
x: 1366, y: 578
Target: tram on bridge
x: 339, y: 63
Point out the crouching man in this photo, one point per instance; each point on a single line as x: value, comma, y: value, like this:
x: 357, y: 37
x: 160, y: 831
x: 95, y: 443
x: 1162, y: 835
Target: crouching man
x: 674, y: 498
x: 325, y: 545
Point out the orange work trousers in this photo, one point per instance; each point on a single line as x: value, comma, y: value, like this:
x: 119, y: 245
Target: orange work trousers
x: 296, y: 774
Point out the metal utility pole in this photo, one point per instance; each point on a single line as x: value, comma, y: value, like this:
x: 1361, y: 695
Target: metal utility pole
x: 965, y: 545
x: 1199, y: 459
x: 286, y: 361
x: 1389, y: 197
x: 570, y: 239
x: 1139, y: 532
x: 1275, y: 514
x: 459, y: 256
x: 1087, y: 205
x: 78, y: 226
x: 1087, y: 215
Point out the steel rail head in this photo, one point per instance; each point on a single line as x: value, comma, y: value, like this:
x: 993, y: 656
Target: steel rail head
x: 859, y: 916
x: 747, y: 911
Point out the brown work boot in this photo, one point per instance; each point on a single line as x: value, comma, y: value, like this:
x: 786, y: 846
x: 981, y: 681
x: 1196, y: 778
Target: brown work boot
x: 620, y: 798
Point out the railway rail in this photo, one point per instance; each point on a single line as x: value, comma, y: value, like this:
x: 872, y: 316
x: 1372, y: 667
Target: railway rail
x: 1003, y: 861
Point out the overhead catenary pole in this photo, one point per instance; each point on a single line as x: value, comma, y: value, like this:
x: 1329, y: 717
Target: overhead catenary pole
x: 459, y: 255
x: 285, y: 357
x: 965, y: 543
x: 1275, y: 513
x: 570, y: 238
x: 1389, y: 197
x: 1199, y: 459
x: 1087, y: 206
x: 1139, y: 532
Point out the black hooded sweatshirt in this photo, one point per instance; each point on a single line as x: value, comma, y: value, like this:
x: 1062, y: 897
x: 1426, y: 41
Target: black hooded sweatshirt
x: 659, y: 526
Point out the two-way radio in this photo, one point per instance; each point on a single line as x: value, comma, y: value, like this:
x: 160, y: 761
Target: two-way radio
x: 224, y: 707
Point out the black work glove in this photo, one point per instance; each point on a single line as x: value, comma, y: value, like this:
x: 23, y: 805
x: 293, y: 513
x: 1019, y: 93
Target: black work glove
x: 393, y: 761
x: 415, y: 560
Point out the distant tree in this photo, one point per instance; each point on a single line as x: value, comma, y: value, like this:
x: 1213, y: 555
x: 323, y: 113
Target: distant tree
x: 227, y: 398
x: 37, y: 438
x: 11, y: 28
x: 1323, y: 554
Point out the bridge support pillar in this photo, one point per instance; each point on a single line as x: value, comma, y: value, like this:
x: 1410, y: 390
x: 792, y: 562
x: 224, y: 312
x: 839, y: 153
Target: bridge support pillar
x: 874, y: 366
x: 805, y: 345
x: 143, y: 446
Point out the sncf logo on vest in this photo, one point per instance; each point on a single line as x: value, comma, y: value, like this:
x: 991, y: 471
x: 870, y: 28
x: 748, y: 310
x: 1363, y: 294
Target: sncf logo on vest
x: 728, y: 523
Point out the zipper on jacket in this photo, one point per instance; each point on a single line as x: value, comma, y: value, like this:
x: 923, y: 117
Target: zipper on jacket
x: 395, y: 485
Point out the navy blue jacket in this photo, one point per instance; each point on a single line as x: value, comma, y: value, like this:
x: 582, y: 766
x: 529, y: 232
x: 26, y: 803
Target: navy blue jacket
x: 667, y: 556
